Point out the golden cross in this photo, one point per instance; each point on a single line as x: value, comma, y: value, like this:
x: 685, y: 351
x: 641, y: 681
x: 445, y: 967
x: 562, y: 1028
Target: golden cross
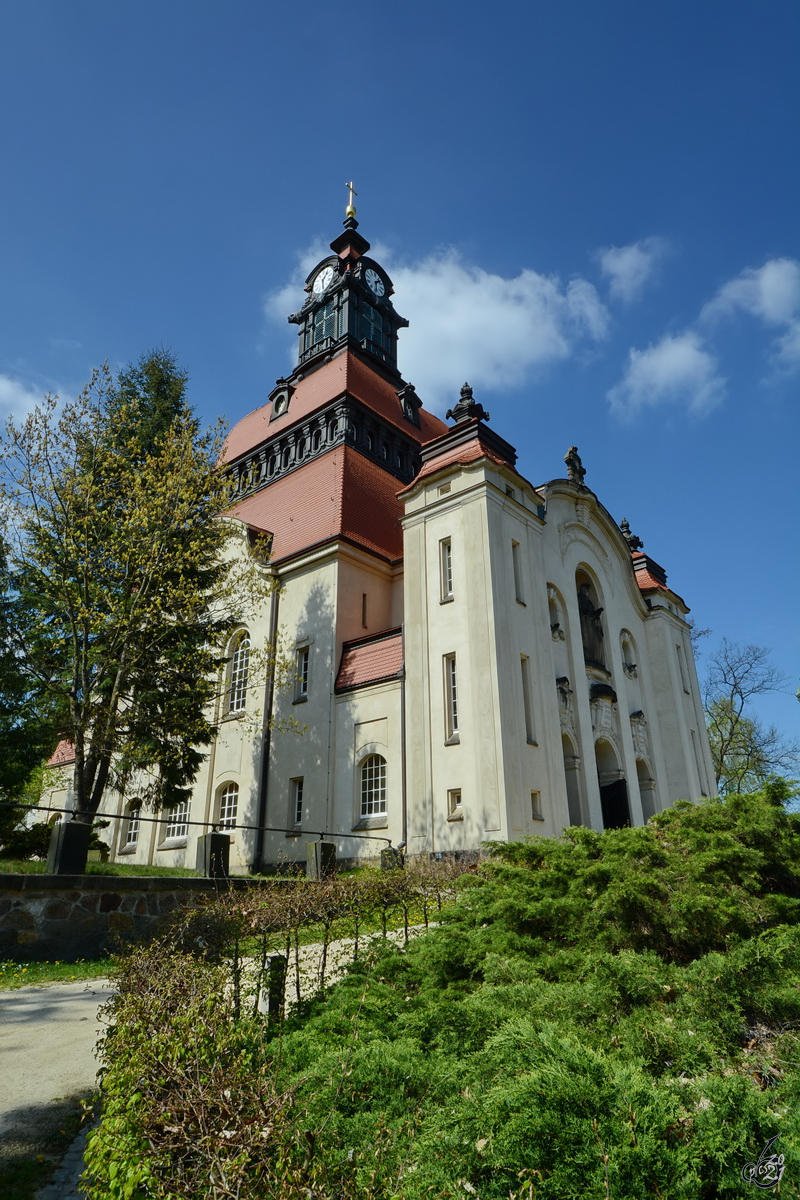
x: 351, y: 210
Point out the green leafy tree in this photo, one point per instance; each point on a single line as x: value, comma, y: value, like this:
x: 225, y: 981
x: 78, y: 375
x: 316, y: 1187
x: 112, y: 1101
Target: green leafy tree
x: 745, y: 751
x: 125, y: 593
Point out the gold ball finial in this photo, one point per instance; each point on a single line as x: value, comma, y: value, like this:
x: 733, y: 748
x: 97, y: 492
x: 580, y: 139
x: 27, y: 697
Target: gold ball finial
x: 350, y: 211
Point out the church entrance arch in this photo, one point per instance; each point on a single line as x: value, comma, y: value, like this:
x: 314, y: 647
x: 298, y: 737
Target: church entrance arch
x: 613, y: 788
x: 572, y: 774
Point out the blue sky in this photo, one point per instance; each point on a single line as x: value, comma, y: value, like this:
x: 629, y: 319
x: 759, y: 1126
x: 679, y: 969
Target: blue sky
x: 590, y: 211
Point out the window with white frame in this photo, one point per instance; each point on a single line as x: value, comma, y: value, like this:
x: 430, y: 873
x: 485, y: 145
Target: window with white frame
x: 228, y: 804
x: 176, y: 824
x: 301, y: 673
x: 373, y: 786
x: 527, y: 704
x: 446, y: 569
x: 239, y: 668
x: 450, y: 697
x: 132, y: 825
x: 536, y: 806
x: 297, y: 789
x: 517, y: 565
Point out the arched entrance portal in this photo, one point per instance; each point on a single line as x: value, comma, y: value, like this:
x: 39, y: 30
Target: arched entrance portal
x: 613, y: 788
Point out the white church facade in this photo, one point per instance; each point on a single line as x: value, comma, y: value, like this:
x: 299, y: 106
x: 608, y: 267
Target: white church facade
x: 475, y: 658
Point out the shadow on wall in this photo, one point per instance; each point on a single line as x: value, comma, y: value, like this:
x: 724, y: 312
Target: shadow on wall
x: 295, y: 754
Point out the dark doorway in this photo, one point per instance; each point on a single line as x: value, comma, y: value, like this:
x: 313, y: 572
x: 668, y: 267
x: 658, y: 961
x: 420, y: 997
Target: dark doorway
x: 614, y: 803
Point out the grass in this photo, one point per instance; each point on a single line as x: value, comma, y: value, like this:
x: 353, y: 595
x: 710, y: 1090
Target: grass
x: 28, y: 974
x: 18, y: 866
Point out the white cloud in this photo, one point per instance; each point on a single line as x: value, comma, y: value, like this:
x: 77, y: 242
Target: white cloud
x: 16, y: 400
x: 772, y: 294
x: 677, y: 371
x: 467, y: 323
x: 631, y: 268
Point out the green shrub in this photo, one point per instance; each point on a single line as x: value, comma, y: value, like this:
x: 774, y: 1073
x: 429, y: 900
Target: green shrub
x: 608, y: 1015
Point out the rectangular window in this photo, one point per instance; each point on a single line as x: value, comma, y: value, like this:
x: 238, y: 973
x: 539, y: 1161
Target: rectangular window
x: 301, y: 674
x: 454, y: 809
x: 536, y: 806
x: 297, y: 802
x: 177, y: 821
x: 324, y: 323
x: 525, y: 668
x: 370, y: 328
x: 132, y: 827
x: 701, y: 775
x: 515, y: 559
x: 364, y: 610
x: 682, y: 668
x: 450, y: 697
x: 446, y: 569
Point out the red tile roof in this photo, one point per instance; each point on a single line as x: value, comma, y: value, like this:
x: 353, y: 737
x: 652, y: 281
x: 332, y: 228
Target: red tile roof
x: 370, y: 660
x: 64, y: 753
x: 344, y: 373
x: 339, y: 494
x: 651, y: 577
x: 464, y: 452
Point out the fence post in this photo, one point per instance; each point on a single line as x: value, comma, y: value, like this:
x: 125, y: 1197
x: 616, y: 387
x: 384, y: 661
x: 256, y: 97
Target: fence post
x: 69, y: 847
x: 276, y: 990
x: 392, y: 859
x: 213, y: 855
x: 320, y: 859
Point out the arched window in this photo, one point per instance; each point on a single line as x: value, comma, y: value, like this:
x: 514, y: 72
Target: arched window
x: 132, y: 825
x: 237, y: 679
x: 373, y: 786
x: 592, y: 633
x: 228, y: 804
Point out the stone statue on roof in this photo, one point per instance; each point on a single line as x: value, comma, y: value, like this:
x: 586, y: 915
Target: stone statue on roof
x: 575, y: 468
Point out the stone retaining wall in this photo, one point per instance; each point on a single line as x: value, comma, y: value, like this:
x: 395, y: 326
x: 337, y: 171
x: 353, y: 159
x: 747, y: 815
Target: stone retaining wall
x: 65, y: 917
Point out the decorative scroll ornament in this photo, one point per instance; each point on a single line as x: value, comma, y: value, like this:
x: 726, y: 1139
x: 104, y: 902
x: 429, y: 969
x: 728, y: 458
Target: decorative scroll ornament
x: 566, y: 707
x: 641, y: 740
x: 634, y: 542
x: 468, y: 408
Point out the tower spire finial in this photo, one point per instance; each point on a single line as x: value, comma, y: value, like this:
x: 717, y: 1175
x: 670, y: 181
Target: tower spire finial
x: 350, y: 211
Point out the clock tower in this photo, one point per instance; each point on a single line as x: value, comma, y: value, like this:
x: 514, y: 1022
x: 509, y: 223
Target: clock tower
x: 344, y: 424
x: 349, y: 305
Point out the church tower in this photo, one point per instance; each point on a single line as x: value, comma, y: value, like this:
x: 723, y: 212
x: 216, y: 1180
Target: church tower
x: 318, y: 470
x: 470, y: 657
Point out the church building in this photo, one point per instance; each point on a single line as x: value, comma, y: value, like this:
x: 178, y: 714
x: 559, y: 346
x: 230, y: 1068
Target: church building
x: 475, y: 657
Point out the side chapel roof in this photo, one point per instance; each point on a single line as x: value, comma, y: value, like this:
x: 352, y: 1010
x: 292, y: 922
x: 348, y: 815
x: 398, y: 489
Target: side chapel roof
x: 370, y: 660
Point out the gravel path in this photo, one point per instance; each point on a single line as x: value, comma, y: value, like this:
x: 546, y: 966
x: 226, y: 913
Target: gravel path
x: 47, y: 1043
x: 47, y: 1055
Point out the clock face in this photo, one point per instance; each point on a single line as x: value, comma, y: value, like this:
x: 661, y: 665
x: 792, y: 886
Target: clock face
x: 375, y: 282
x: 324, y: 279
